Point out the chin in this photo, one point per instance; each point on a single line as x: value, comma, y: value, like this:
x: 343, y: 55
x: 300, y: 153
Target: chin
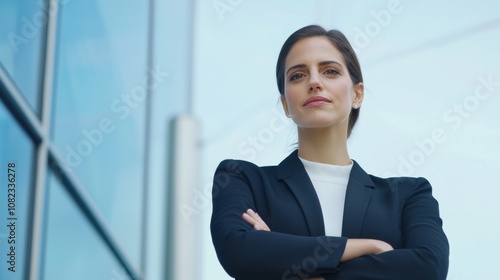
x: 323, y: 121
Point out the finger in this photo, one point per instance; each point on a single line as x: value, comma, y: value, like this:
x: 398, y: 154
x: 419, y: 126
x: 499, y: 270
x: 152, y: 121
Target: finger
x: 256, y: 225
x: 256, y: 217
x: 249, y: 219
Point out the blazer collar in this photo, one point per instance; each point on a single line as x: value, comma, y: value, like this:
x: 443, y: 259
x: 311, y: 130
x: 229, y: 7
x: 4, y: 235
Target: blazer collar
x: 357, y: 198
x: 358, y: 194
x: 292, y: 171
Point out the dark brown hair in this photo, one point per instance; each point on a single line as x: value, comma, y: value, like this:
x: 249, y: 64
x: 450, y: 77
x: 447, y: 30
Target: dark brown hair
x: 340, y: 42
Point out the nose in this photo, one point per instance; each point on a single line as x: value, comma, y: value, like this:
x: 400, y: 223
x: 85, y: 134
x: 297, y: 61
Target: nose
x: 314, y: 83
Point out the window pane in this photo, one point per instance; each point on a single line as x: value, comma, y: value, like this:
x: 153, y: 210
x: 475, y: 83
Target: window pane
x: 16, y: 150
x: 22, y: 31
x: 73, y: 249
x: 99, y: 108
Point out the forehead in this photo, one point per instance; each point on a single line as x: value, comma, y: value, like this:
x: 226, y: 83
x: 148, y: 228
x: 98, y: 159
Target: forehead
x: 313, y: 50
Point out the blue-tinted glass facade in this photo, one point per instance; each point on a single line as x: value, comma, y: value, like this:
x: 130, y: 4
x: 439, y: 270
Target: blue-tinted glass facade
x: 86, y: 101
x: 98, y: 109
x: 96, y: 101
x: 73, y: 249
x: 22, y: 34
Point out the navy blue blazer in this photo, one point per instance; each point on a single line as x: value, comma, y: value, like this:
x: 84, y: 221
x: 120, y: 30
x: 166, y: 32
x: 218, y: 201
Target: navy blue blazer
x: 400, y: 211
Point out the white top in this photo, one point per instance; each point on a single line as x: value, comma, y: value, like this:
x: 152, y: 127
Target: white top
x: 330, y: 182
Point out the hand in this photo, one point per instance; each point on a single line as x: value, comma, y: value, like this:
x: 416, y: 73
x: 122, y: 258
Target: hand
x: 356, y: 248
x: 381, y: 246
x: 258, y: 224
x: 255, y: 220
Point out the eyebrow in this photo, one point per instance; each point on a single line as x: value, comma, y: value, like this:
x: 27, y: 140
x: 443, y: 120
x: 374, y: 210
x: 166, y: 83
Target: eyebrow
x: 320, y: 64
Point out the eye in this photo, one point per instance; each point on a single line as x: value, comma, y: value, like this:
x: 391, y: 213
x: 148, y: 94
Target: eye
x: 332, y: 72
x: 296, y: 76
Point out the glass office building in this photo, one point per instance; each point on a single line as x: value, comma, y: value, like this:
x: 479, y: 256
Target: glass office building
x: 85, y: 129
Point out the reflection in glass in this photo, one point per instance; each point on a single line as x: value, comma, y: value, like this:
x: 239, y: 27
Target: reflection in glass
x: 73, y: 249
x: 16, y: 156
x: 22, y: 31
x: 99, y: 108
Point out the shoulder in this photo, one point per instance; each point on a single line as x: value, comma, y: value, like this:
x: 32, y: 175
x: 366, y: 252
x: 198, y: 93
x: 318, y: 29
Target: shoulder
x: 400, y: 184
x: 406, y: 182
x: 236, y: 167
x: 405, y: 186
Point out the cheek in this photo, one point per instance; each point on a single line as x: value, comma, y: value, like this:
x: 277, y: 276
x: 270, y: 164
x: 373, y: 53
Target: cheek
x: 292, y: 97
x: 344, y: 93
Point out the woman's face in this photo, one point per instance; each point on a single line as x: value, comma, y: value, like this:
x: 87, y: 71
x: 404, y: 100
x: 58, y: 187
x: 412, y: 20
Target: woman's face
x: 318, y: 89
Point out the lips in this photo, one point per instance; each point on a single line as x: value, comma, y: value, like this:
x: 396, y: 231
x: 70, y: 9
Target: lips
x: 314, y: 101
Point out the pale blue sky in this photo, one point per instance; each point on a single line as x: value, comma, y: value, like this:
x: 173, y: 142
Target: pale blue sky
x: 419, y: 66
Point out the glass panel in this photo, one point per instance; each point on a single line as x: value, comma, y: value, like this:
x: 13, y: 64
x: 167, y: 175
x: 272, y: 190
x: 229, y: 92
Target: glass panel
x: 16, y: 156
x: 99, y: 108
x: 73, y: 249
x: 22, y: 32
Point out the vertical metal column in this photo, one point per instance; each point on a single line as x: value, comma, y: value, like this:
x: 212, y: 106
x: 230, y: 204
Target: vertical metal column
x: 183, y: 243
x: 147, y: 140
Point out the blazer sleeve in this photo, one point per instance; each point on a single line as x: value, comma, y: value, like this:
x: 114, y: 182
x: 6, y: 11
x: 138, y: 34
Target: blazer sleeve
x: 425, y: 249
x: 246, y: 253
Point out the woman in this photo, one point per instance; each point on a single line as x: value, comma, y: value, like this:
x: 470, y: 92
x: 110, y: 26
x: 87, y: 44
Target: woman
x: 321, y: 216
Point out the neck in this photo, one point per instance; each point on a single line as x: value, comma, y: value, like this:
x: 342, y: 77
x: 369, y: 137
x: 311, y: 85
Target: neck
x: 324, y: 145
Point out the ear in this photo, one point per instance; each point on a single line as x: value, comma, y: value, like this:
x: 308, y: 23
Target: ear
x: 285, y: 105
x: 359, y: 93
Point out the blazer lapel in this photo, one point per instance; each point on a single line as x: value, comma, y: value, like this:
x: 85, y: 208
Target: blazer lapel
x: 359, y: 190
x: 293, y: 173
